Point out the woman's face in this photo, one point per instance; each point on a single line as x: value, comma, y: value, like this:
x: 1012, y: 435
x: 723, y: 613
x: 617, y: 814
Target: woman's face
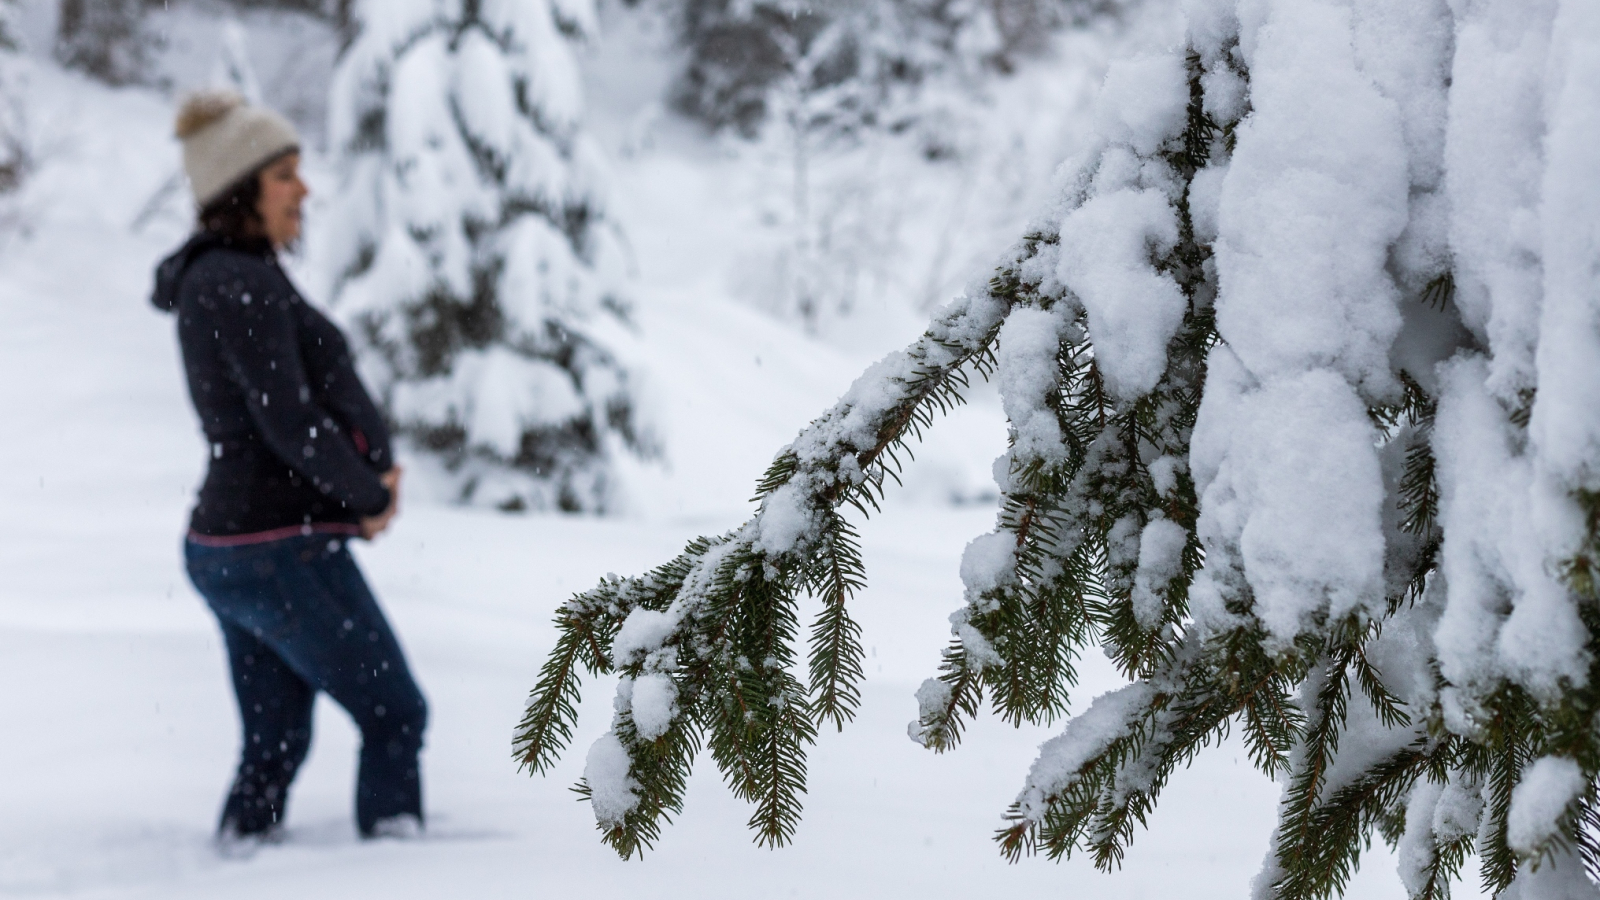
x: 282, y: 193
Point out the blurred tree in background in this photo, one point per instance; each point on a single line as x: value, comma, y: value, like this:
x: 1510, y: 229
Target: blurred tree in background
x: 14, y: 156
x: 834, y: 94
x: 112, y: 40
x: 470, y: 244
x: 738, y: 53
x: 105, y: 38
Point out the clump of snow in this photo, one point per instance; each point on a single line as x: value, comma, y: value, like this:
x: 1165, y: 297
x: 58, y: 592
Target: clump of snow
x: 784, y: 519
x: 1496, y: 112
x: 1548, y: 788
x: 1213, y: 25
x: 654, y: 705
x: 613, y: 792
x: 1086, y: 735
x: 1416, y: 851
x: 1405, y: 49
x: 933, y: 698
x: 1142, y: 101
x: 1564, y: 426
x: 1227, y: 93
x: 642, y: 632
x: 989, y: 562
x: 1291, y: 493
x: 1561, y: 876
x: 1029, y: 343
x: 1316, y: 193
x: 1164, y: 474
x: 1122, y: 543
x: 1458, y: 811
x: 980, y: 653
x: 1205, y: 201
x: 1107, y: 249
x: 1507, y: 613
x: 1160, y: 560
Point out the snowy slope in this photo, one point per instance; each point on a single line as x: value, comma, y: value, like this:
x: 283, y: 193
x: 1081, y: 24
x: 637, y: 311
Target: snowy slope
x: 116, y: 725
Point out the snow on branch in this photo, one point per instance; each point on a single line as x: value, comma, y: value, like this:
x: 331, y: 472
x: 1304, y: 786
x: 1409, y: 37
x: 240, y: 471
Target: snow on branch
x: 1300, y: 375
x: 706, y: 644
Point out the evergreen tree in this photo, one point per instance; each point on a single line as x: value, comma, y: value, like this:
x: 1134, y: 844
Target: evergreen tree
x: 8, y: 26
x: 837, y: 100
x: 1300, y: 375
x: 739, y: 54
x: 469, y: 244
x: 233, y: 69
x: 107, y: 39
x: 14, y: 156
x: 337, y: 13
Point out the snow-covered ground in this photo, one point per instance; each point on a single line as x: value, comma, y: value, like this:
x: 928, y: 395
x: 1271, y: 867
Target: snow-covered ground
x: 117, y: 731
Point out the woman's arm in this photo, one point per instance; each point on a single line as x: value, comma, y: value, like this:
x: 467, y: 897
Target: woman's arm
x: 338, y: 388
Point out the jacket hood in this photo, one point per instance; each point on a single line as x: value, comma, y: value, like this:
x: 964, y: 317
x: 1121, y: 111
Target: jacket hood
x: 169, y: 274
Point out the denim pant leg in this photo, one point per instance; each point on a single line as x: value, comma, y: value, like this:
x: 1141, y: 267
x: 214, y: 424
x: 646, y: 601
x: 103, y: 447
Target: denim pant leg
x: 275, y: 709
x: 371, y: 680
x: 305, y: 598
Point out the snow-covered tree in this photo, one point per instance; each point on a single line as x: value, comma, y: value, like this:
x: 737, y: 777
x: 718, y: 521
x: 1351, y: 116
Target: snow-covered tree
x: 233, y: 69
x: 106, y: 38
x: 338, y: 13
x: 8, y: 25
x: 1301, y: 374
x: 470, y: 245
x: 14, y: 156
x: 839, y: 102
x: 739, y: 54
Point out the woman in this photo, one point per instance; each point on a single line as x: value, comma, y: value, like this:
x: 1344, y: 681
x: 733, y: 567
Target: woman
x: 300, y: 464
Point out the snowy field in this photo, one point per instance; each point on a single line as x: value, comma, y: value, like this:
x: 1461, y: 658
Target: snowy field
x: 117, y: 729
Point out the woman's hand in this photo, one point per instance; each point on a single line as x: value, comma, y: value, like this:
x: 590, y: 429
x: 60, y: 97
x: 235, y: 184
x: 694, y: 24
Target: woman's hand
x: 372, y: 526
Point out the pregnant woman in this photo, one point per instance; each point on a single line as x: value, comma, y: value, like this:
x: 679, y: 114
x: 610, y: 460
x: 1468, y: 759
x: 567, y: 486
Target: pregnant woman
x: 300, y: 464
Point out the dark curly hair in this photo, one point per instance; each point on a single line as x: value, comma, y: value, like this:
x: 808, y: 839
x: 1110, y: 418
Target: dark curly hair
x: 234, y: 214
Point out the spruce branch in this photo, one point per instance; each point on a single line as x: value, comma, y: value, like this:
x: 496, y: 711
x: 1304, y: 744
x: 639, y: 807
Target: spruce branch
x: 1440, y: 291
x: 951, y: 699
x: 1069, y: 568
x: 1317, y: 749
x: 586, y: 625
x: 547, y: 723
x: 1320, y: 837
x: 660, y: 769
x: 1072, y: 521
x: 1066, y: 590
x: 1505, y: 751
x: 836, y: 638
x: 725, y: 629
x: 1449, y: 858
x: 1190, y: 704
x: 1324, y: 857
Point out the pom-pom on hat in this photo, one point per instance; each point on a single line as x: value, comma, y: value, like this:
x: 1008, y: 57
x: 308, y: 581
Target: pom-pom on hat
x: 226, y: 139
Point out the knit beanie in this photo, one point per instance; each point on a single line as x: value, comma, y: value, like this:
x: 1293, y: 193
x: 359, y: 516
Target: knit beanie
x: 225, y: 139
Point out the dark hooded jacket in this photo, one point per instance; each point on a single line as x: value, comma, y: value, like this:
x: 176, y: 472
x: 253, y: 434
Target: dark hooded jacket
x: 295, y: 439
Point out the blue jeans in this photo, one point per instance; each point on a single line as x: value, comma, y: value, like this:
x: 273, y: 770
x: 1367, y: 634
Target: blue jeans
x: 297, y: 618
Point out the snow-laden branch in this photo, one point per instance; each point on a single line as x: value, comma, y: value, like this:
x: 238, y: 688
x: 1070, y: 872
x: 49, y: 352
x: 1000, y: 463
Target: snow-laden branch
x: 707, y: 645
x: 1300, y: 374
